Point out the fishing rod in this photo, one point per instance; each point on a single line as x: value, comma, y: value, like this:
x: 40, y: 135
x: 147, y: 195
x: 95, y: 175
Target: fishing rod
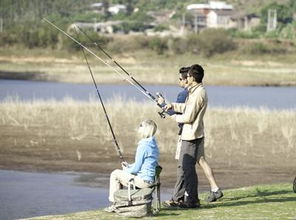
x: 104, y: 109
x: 120, y: 66
x: 132, y: 81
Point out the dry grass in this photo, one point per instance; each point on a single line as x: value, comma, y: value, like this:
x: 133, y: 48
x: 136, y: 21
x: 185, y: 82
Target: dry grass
x: 230, y: 133
x: 147, y: 67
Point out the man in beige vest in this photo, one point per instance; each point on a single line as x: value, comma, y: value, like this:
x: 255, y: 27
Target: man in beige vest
x: 192, y: 136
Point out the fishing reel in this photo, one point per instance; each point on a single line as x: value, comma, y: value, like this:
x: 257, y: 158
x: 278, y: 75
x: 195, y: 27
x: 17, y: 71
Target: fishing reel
x: 161, y: 113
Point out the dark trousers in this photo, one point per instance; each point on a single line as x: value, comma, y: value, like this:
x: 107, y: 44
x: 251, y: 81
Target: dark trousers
x: 187, y: 180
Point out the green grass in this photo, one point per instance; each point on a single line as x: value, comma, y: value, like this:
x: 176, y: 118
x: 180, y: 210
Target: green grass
x: 257, y: 202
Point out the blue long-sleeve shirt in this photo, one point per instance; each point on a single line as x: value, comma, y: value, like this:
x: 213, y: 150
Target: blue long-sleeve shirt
x: 181, y: 98
x: 146, y: 159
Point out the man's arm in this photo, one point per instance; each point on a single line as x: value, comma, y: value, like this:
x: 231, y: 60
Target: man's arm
x: 190, y: 112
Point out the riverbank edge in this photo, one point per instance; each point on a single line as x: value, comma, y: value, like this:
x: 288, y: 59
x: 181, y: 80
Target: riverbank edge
x: 48, y: 78
x: 272, y: 201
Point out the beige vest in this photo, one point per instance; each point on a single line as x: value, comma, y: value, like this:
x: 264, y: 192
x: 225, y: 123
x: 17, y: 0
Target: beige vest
x: 193, y: 111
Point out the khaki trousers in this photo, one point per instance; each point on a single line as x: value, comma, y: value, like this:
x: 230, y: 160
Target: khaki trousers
x: 119, y: 178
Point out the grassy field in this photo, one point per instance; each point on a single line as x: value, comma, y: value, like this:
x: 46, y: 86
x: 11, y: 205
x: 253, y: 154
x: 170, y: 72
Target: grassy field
x: 147, y: 67
x: 257, y: 202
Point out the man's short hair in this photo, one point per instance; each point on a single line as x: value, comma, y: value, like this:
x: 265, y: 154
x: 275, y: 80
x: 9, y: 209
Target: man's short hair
x: 183, y: 71
x: 197, y: 72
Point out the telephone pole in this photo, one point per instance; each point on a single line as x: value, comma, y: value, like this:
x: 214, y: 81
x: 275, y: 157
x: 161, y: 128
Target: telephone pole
x: 1, y: 25
x: 271, y: 20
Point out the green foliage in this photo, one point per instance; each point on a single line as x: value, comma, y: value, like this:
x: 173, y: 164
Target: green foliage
x: 251, y: 34
x: 177, y: 46
x: 7, y: 39
x: 158, y: 44
x: 22, y: 26
x: 284, y: 13
x: 121, y: 45
x: 140, y: 17
x: 212, y: 41
x: 30, y: 35
x: 260, y: 48
x: 161, y: 27
x: 289, y: 31
x: 126, y: 27
x: 89, y: 39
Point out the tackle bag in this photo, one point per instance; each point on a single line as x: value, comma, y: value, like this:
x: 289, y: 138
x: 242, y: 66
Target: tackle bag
x: 138, y: 202
x: 134, y: 202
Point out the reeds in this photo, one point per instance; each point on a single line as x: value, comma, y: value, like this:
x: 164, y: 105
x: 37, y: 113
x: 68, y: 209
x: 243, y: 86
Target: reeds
x: 233, y: 136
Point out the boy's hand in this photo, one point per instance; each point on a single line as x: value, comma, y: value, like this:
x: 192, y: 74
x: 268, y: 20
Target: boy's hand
x: 160, y: 99
x: 124, y: 165
x: 168, y: 107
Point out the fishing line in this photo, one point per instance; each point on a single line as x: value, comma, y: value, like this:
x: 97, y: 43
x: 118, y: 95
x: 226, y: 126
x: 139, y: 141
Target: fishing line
x: 114, y: 61
x: 142, y: 90
x: 104, y: 109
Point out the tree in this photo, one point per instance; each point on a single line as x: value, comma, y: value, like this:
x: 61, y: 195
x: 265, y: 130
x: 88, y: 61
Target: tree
x: 284, y: 13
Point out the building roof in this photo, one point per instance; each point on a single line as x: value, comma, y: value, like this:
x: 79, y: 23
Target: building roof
x: 211, y: 5
x: 97, y: 5
x: 219, y: 5
x: 198, y: 6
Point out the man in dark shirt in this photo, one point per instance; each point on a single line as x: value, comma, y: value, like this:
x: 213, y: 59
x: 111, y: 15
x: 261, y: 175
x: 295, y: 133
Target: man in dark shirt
x: 178, y: 196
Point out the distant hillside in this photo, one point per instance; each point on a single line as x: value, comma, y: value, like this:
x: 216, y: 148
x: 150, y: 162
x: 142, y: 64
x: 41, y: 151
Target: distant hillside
x: 249, y: 6
x: 18, y: 11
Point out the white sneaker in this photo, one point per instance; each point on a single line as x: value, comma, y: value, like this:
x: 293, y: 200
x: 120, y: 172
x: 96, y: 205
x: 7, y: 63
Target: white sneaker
x: 110, y: 209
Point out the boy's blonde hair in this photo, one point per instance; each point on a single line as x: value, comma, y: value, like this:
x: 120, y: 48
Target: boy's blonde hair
x: 147, y: 129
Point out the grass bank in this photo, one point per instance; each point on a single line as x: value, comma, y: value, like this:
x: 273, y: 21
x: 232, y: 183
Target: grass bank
x: 257, y: 202
x: 241, y: 143
x: 147, y: 67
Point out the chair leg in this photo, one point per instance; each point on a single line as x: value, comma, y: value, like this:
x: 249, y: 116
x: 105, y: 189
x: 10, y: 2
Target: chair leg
x: 158, y: 197
x: 157, y: 202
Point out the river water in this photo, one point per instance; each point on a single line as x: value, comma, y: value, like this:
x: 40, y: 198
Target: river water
x: 25, y: 194
x: 219, y: 96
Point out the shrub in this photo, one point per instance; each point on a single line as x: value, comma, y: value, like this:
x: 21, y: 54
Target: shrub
x: 158, y: 44
x: 259, y: 48
x: 192, y: 43
x: 128, y: 43
x: 289, y: 32
x: 213, y: 41
x: 87, y: 38
x: 177, y: 45
x: 8, y: 38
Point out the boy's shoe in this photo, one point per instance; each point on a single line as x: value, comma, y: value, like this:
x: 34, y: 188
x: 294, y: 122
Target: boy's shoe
x: 187, y: 205
x: 110, y: 209
x: 213, y: 196
x: 171, y: 204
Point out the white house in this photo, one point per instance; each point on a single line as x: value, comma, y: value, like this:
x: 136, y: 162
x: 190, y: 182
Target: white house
x: 115, y: 9
x: 97, y: 7
x: 214, y: 14
x: 219, y: 19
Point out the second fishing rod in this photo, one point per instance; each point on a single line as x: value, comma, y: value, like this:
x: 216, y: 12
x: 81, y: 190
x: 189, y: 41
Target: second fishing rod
x: 130, y: 78
x: 123, y: 69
